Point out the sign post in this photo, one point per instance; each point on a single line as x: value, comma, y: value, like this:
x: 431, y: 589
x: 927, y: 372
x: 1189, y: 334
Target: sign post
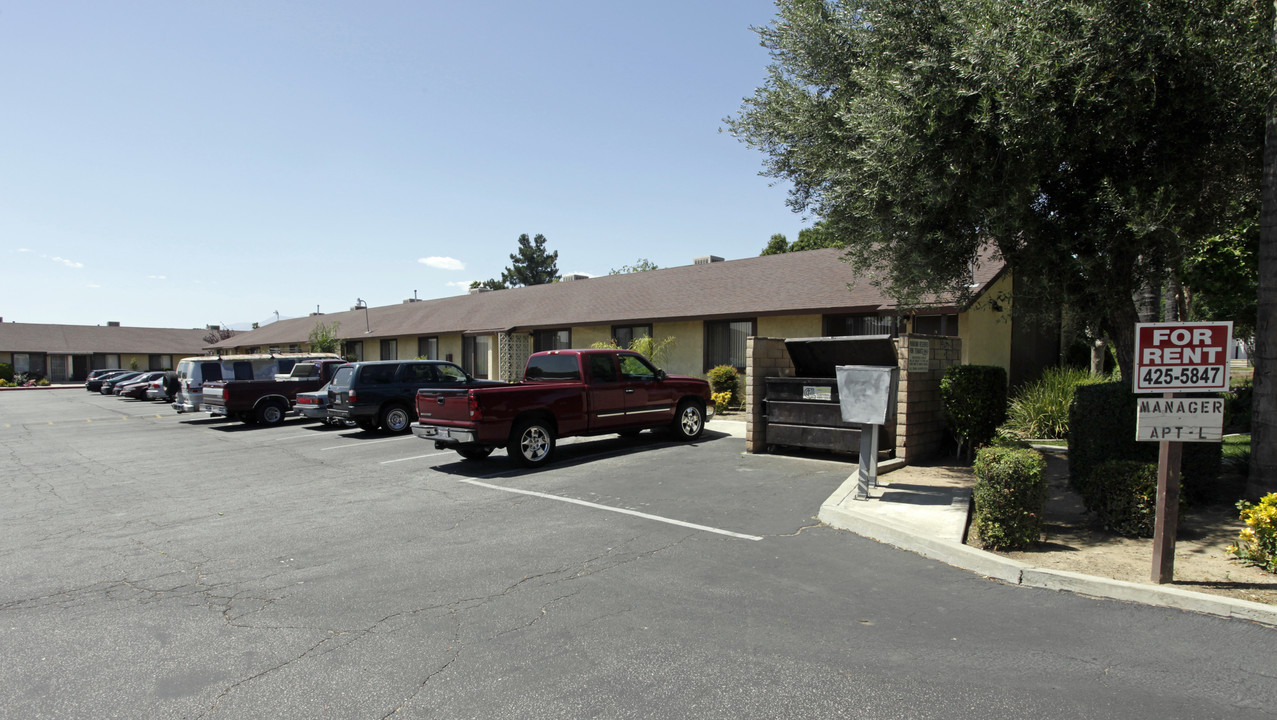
x: 1171, y: 358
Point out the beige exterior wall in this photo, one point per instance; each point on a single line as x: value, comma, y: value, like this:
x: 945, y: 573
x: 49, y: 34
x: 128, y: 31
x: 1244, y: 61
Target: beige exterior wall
x: 687, y: 356
x: 985, y: 332
x: 6, y: 358
x: 791, y: 326
x: 450, y: 345
x: 583, y: 336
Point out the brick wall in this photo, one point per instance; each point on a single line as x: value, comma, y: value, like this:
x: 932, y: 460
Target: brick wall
x: 764, y: 357
x: 920, y: 427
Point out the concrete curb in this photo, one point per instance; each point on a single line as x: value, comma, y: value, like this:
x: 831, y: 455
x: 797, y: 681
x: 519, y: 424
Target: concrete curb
x: 41, y: 387
x: 1010, y: 571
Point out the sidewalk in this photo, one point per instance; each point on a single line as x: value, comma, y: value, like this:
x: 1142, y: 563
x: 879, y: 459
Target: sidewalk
x: 926, y: 513
x: 60, y: 386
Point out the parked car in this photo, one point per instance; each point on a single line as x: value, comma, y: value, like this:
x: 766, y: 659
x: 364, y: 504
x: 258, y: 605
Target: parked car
x: 165, y: 388
x: 266, y: 402
x: 109, y: 384
x: 96, y: 378
x: 193, y: 372
x: 564, y: 393
x: 381, y: 394
x: 314, y: 406
x: 137, y: 387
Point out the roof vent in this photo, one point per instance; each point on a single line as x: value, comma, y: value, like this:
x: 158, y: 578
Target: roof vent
x: 574, y: 276
x: 411, y: 300
x: 706, y: 260
x: 112, y: 323
x: 477, y: 290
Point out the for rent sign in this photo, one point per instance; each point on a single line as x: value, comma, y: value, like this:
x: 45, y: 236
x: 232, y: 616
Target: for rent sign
x: 1182, y: 357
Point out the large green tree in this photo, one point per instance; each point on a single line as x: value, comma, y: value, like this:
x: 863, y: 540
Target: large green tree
x: 531, y: 264
x: 1092, y: 144
x: 1263, y: 465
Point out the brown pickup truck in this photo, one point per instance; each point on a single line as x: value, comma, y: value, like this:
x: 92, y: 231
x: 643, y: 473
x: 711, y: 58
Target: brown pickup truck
x: 265, y: 402
x: 564, y: 393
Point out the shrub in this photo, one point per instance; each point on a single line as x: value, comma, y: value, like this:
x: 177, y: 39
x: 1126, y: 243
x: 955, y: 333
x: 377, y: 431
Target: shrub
x: 28, y: 378
x: 3, y: 382
x: 975, y: 403
x: 6, y: 372
x: 1123, y: 496
x: 721, y: 399
x: 1102, y: 422
x: 1257, y: 544
x: 1010, y: 497
x: 1041, y: 408
x: 724, y: 379
x: 1237, y: 403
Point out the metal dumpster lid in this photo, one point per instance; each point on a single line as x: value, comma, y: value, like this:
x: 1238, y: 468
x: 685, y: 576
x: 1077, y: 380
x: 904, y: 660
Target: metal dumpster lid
x: 818, y: 356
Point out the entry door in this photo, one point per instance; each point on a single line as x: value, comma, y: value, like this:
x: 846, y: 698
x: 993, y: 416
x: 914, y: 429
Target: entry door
x: 58, y: 368
x: 79, y: 367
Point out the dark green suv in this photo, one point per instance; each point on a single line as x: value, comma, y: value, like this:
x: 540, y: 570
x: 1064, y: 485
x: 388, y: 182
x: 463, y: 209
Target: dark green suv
x: 383, y: 394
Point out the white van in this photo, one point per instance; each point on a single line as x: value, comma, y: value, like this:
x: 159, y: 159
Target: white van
x: 193, y: 372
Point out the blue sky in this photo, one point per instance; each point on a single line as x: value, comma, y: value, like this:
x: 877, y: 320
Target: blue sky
x: 178, y: 164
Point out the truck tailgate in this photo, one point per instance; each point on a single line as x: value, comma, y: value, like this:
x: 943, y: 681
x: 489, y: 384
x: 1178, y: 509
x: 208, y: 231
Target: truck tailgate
x: 443, y: 405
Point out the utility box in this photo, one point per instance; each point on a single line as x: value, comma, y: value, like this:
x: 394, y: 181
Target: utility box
x: 805, y: 411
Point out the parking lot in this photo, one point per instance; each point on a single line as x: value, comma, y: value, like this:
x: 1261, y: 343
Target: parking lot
x: 157, y: 565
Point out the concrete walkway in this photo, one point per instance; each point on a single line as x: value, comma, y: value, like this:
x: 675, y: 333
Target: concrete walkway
x: 927, y: 513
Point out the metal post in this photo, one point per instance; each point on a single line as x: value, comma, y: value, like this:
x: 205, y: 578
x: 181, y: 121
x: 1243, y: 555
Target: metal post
x: 868, y: 466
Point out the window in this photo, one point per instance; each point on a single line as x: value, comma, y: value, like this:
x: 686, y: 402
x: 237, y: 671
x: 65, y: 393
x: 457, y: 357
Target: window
x: 551, y: 340
x: 838, y: 325
x: 725, y: 343
x: 602, y: 369
x: 451, y: 374
x: 634, y: 367
x: 626, y: 334
x: 428, y: 348
x: 243, y: 370
x: 378, y: 374
x: 21, y: 363
x: 294, y: 348
x: 474, y: 355
x: 935, y: 324
x: 554, y: 367
x: 389, y: 349
x: 354, y: 351
x: 417, y: 373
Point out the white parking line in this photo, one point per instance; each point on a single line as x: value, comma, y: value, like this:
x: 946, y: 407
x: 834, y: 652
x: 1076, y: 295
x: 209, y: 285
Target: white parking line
x: 362, y: 443
x: 635, y: 513
x: 416, y: 457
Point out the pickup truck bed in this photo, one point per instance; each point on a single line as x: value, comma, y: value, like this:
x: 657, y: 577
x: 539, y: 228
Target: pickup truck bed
x: 564, y: 393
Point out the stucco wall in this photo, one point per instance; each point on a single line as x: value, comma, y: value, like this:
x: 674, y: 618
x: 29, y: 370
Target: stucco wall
x: 687, y: 356
x: 985, y: 332
x: 583, y: 336
x: 791, y: 326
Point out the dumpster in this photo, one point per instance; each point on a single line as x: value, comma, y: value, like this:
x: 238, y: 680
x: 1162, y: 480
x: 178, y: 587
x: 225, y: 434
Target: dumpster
x: 805, y: 411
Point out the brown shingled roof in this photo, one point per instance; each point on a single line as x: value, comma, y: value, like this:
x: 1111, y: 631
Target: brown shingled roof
x: 814, y: 281
x: 87, y: 339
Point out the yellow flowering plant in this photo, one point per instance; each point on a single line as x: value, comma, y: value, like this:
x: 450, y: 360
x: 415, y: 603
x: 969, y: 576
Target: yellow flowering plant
x: 1257, y: 543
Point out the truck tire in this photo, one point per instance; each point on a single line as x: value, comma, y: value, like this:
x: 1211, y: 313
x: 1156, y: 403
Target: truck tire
x: 474, y: 453
x: 689, y: 421
x: 271, y: 413
x: 532, y: 443
x: 396, y: 419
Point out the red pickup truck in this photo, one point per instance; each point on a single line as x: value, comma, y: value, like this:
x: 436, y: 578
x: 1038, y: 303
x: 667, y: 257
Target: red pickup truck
x: 564, y: 393
x: 266, y: 402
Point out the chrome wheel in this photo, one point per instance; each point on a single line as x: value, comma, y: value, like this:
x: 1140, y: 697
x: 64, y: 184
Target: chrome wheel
x: 531, y: 444
x: 395, y: 420
x: 690, y: 421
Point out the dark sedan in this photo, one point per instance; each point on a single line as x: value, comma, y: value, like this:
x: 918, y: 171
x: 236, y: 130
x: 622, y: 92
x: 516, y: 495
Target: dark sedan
x: 137, y: 387
x: 109, y: 384
x: 97, y: 377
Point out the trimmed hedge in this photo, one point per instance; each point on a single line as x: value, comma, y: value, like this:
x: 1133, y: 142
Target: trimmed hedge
x: 724, y: 378
x: 6, y: 372
x: 1102, y: 421
x: 975, y: 403
x: 1123, y: 496
x: 1010, y: 497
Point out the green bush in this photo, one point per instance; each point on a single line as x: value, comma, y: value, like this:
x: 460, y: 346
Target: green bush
x: 1041, y: 408
x: 1123, y: 496
x: 1257, y: 544
x: 1010, y: 497
x: 975, y: 403
x: 1237, y: 403
x: 6, y: 372
x: 724, y: 379
x: 1102, y: 423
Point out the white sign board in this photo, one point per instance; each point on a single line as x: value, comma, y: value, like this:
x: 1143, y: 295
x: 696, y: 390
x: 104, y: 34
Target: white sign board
x: 1182, y: 357
x: 1180, y: 420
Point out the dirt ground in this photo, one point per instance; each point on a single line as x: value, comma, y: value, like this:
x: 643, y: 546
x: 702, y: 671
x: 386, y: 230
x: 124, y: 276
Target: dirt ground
x: 1073, y: 542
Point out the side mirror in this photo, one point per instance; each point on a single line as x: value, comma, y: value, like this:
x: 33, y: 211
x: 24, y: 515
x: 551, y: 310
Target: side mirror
x: 660, y: 375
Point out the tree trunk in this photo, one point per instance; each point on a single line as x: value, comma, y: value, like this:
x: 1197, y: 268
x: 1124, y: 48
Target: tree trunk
x: 1263, y: 438
x: 1171, y: 300
x: 1119, y: 325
